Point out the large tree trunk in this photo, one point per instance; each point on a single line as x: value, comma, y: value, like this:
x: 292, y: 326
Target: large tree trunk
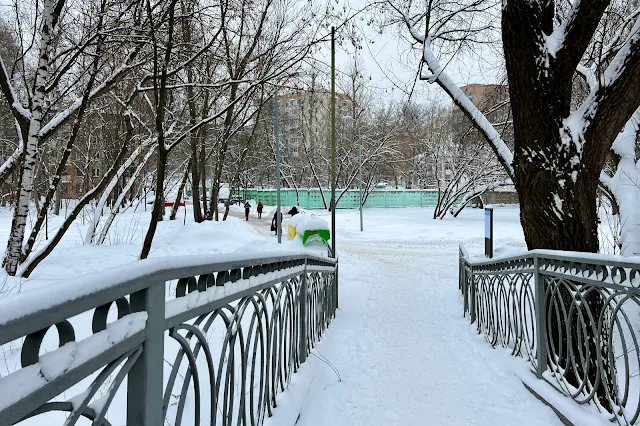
x: 193, y: 134
x: 195, y: 183
x: 203, y: 176
x: 183, y: 183
x: 556, y: 178
x: 62, y: 165
x: 158, y: 204
x: 18, y: 225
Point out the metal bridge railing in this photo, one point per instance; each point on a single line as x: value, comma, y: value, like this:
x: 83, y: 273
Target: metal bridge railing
x: 171, y: 341
x: 574, y: 316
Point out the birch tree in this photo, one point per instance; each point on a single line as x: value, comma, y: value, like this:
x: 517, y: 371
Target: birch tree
x: 57, y: 92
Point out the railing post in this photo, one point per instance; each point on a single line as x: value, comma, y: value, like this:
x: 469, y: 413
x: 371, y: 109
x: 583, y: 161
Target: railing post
x: 541, y: 318
x: 460, y: 271
x: 303, y: 315
x: 335, y: 284
x: 472, y: 297
x: 145, y: 381
x: 465, y: 288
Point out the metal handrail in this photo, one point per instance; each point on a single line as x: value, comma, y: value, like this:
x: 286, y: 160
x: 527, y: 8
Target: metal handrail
x: 570, y: 314
x: 272, y: 310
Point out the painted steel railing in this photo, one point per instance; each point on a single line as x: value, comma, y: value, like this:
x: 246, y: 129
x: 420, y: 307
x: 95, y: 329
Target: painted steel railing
x: 176, y: 341
x: 574, y: 316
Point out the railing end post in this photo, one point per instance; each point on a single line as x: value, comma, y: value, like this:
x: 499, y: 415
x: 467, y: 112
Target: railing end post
x: 335, y: 277
x: 145, y: 379
x: 541, y: 319
x: 472, y: 297
x: 303, y: 315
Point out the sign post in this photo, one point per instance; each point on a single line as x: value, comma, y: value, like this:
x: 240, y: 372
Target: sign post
x: 488, y: 232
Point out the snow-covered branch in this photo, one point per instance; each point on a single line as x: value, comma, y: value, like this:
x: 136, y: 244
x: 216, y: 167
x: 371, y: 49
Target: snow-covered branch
x: 439, y: 76
x: 625, y: 186
x: 20, y: 113
x: 628, y: 52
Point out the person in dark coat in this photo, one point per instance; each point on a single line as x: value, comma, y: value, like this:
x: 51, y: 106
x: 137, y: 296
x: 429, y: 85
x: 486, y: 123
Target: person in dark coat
x: 247, y: 208
x: 260, y: 207
x: 274, y: 220
x: 294, y: 211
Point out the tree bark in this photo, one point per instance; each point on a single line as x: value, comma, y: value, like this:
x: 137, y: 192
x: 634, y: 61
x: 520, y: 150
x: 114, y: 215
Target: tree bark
x: 203, y: 177
x: 158, y: 204
x: 194, y: 133
x: 555, y: 178
x: 161, y: 66
x: 183, y: 183
x: 62, y: 165
x: 18, y: 225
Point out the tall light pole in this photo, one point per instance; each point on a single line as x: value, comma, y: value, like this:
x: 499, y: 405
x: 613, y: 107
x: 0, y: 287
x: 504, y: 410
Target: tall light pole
x: 333, y: 142
x: 276, y: 130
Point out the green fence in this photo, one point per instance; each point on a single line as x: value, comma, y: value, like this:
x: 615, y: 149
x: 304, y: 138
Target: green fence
x: 311, y: 199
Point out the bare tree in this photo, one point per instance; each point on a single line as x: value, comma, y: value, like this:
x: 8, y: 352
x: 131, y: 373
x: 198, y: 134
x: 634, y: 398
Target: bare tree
x: 560, y: 145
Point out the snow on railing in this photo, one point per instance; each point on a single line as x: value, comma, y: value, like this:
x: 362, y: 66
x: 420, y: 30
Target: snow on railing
x: 198, y: 339
x: 574, y: 316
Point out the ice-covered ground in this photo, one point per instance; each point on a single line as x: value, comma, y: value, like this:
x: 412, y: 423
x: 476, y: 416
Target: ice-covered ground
x: 399, y: 351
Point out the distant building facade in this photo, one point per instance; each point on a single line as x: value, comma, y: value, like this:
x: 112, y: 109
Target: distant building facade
x: 305, y: 119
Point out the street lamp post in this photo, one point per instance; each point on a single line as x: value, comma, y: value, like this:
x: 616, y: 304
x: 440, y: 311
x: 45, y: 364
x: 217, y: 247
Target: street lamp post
x: 278, y: 206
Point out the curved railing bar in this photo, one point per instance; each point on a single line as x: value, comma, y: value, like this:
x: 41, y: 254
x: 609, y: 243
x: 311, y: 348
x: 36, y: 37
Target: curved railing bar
x: 267, y: 335
x: 586, y: 345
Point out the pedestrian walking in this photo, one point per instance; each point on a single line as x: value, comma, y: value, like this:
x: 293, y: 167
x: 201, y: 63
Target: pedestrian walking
x: 247, y: 209
x: 274, y: 222
x: 260, y: 207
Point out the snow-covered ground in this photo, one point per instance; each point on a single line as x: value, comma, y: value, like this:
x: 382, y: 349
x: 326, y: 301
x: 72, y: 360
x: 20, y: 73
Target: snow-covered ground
x: 399, y: 351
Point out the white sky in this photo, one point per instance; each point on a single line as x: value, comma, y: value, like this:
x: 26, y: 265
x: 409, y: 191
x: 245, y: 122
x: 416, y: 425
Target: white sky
x: 386, y: 59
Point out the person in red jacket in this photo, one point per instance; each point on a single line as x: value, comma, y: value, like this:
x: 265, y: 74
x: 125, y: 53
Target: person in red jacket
x: 260, y: 207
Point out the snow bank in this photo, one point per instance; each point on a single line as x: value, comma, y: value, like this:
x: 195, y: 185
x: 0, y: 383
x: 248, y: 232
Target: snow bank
x: 310, y: 223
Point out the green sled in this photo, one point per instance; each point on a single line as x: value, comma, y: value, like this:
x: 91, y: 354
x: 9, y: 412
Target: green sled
x: 312, y: 236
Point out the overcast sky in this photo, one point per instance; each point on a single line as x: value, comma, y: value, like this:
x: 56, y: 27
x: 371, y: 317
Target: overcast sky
x: 386, y: 59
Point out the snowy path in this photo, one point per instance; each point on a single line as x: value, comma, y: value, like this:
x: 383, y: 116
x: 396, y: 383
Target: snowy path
x: 403, y: 351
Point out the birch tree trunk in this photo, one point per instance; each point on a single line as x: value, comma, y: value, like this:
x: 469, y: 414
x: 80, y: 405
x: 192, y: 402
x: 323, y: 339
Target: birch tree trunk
x: 18, y: 225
